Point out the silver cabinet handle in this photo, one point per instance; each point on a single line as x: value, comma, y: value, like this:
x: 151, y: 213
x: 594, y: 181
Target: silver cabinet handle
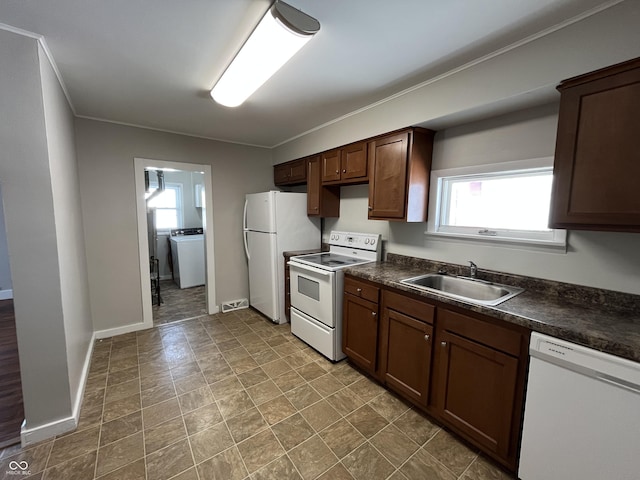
x: 344, y: 171
x: 444, y: 344
x: 426, y: 337
x: 358, y: 289
x: 370, y: 207
x: 373, y: 314
x: 337, y: 171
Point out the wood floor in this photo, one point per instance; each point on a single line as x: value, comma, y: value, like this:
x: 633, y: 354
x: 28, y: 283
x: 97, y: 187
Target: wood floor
x: 11, y: 407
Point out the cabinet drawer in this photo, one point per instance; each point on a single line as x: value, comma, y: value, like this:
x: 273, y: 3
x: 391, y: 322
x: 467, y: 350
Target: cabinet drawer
x: 409, y: 306
x: 361, y: 289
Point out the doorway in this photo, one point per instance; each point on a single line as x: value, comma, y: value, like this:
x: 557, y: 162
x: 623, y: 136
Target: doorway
x: 175, y: 228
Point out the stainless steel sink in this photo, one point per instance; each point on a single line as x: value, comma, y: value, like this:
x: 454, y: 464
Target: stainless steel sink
x: 467, y: 289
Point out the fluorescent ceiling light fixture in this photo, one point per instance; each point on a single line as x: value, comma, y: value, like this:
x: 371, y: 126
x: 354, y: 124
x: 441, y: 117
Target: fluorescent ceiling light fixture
x: 280, y: 34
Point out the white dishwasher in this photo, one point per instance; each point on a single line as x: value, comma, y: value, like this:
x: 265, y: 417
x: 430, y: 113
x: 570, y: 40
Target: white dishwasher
x: 582, y: 414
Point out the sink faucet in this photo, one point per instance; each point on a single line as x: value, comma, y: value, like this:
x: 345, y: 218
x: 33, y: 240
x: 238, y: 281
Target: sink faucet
x: 473, y: 269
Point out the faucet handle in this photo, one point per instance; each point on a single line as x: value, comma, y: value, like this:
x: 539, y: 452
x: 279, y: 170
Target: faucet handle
x: 473, y: 269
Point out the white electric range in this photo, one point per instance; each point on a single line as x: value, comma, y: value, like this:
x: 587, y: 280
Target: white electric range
x: 317, y: 282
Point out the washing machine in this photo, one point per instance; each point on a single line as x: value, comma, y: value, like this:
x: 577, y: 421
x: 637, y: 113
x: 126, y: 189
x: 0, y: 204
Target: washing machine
x: 187, y: 253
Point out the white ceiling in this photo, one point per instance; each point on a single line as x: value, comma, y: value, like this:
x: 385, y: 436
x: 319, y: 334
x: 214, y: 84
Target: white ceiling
x: 152, y: 62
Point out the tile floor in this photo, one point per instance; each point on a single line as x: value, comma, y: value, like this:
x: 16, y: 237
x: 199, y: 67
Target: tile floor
x: 179, y: 303
x: 231, y: 397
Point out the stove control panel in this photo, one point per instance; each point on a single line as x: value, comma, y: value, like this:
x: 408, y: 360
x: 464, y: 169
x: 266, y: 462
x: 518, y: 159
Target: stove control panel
x: 362, y: 241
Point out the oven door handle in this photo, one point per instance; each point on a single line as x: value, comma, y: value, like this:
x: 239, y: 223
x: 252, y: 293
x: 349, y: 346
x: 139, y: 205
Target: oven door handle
x: 308, y: 268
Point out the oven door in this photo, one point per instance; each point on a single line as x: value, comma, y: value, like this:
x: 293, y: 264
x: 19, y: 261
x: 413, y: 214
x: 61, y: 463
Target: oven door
x: 313, y: 292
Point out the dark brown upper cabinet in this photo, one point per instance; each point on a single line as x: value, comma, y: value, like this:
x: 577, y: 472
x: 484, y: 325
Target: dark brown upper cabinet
x: 345, y: 165
x: 321, y: 201
x: 290, y: 173
x: 597, y: 160
x: 399, y: 170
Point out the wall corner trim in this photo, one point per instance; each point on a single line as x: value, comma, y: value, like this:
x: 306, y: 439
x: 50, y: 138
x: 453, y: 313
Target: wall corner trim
x: 29, y: 436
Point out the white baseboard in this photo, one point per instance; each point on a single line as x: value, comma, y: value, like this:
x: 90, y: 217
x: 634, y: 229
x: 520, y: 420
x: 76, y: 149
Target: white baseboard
x: 30, y: 436
x: 112, y: 332
x: 6, y: 294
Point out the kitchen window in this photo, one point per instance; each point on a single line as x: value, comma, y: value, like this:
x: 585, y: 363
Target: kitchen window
x: 506, y: 202
x: 167, y: 206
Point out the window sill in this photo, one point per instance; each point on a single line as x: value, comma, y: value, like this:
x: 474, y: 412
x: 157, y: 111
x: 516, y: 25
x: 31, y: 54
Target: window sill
x: 525, y: 244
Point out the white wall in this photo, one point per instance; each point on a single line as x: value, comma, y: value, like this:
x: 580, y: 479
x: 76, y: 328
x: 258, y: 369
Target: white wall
x: 74, y: 284
x: 597, y: 259
x: 105, y: 157
x: 510, y: 78
x: 31, y: 234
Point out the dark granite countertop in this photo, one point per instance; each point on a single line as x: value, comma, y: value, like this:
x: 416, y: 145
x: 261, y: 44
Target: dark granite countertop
x: 600, y: 319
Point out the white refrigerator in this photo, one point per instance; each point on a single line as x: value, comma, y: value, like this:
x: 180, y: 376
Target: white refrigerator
x: 275, y: 222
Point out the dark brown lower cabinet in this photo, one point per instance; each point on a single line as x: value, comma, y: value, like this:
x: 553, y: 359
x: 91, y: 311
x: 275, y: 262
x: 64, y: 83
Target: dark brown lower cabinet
x: 478, y: 382
x: 467, y: 371
x: 360, y: 331
x: 406, y: 339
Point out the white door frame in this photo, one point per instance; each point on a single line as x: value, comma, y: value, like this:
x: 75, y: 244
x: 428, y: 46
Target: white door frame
x: 143, y: 245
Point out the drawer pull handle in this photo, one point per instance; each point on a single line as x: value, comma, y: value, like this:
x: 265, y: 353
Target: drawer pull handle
x: 444, y: 344
x: 373, y: 314
x: 337, y: 171
x: 426, y: 337
x: 358, y: 290
x: 344, y: 171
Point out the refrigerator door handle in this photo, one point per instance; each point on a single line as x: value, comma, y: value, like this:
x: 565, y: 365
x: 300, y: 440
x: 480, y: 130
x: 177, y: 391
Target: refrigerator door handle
x: 246, y: 245
x: 244, y: 215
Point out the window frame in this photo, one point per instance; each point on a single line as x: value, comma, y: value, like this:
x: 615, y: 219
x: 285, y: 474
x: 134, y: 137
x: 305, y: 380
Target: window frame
x: 555, y: 239
x: 178, y: 187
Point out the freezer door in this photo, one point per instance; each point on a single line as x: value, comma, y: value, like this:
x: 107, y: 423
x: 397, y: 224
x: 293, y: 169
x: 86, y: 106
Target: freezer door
x: 260, y: 212
x: 263, y: 277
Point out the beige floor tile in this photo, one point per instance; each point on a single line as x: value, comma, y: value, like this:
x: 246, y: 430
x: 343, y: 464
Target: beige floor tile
x: 119, y: 453
x: 366, y: 389
x: 78, y: 468
x: 160, y: 412
x: 276, y: 409
x: 185, y: 370
x: 69, y: 446
x: 133, y: 471
x: 280, y: 469
x: 246, y: 424
x: 123, y: 376
x: 156, y: 380
x: 235, y: 404
x: 292, y: 431
x: 345, y: 401
x: 276, y: 368
x: 120, y: 408
x: 189, y: 383
x: 226, y: 387
x: 422, y: 465
x: 289, y: 380
x: 326, y: 385
x: 169, y: 461
x: 265, y: 356
x: 337, y: 472
x: 366, y: 463
x: 394, y: 445
x: 158, y: 394
x: 260, y: 450
x: 303, y: 396
x: 450, y: 452
x: 298, y: 359
x: 389, y: 406
x: 210, y: 442
x: 121, y: 427
x: 312, y: 457
x: 36, y: 456
x: 346, y: 374
x: 202, y: 418
x: 311, y: 371
x: 342, y: 438
x: 320, y: 415
x: 263, y: 392
x: 367, y: 421
x: 227, y: 465
x: 164, y: 434
x: 482, y: 469
x: 236, y: 354
x: 416, y: 426
x: 195, y: 399
x: 253, y: 377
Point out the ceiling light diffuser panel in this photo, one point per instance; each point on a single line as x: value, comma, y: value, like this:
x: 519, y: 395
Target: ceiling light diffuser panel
x: 280, y: 34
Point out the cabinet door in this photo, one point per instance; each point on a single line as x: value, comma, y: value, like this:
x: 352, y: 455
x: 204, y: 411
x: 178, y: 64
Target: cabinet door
x: 408, y: 355
x: 388, y: 176
x: 360, y: 331
x: 476, y: 390
x: 313, y: 185
x: 331, y: 166
x: 354, y: 162
x: 281, y: 174
x: 298, y: 171
x: 597, y: 159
